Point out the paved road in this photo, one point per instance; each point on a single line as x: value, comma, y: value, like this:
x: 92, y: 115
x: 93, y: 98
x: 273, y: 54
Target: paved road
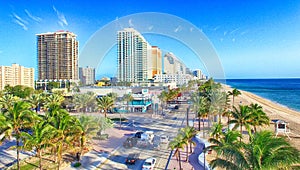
x: 8, y: 156
x: 167, y: 125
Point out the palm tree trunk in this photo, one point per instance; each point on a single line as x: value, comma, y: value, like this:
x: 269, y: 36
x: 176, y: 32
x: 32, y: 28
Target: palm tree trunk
x: 191, y: 148
x: 199, y: 126
x: 179, y: 160
x: 228, y: 119
x: 187, y: 152
x: 40, y: 158
x: 241, y: 129
x: 203, y: 128
x: 232, y: 100
x: 18, y: 154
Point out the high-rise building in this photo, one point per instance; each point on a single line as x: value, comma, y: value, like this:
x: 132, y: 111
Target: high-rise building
x: 197, y: 73
x: 172, y: 65
x: 57, y: 55
x: 87, y: 75
x: 156, y: 62
x: 16, y: 75
x: 133, y: 57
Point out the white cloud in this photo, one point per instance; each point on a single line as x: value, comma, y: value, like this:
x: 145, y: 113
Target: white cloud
x: 179, y: 28
x: 17, y: 17
x: 37, y: 19
x: 244, y: 32
x: 150, y: 27
x: 233, y: 39
x: 191, y: 29
x: 20, y: 21
x: 234, y: 30
x: 216, y: 28
x: 62, y: 19
x: 130, y: 23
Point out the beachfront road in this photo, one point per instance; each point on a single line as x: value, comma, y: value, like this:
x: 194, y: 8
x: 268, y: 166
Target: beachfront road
x: 167, y: 125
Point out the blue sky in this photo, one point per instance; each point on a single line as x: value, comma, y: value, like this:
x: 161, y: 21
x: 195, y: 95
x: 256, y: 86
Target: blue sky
x: 253, y: 39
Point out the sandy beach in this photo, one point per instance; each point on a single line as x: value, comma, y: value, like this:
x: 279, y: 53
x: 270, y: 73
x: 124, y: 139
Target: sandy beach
x: 274, y: 111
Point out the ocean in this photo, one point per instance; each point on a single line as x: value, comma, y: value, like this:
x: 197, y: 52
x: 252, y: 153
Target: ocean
x: 282, y: 91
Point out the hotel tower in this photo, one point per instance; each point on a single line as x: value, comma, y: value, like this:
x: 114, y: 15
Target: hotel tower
x: 57, y: 55
x: 133, y: 57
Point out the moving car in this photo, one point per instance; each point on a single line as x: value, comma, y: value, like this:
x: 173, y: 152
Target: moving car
x: 138, y: 134
x: 149, y: 164
x: 130, y: 142
x: 148, y: 135
x: 131, y: 159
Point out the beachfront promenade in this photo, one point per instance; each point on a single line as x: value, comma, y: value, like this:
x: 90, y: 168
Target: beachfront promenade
x: 110, y: 154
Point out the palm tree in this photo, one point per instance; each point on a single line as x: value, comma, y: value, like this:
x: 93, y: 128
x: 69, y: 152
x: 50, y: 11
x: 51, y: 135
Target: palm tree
x: 36, y: 100
x: 89, y: 127
x: 264, y: 151
x: 217, y: 103
x: 177, y: 143
x: 105, y: 103
x: 83, y: 101
x: 163, y: 98
x: 188, y: 134
x: 4, y: 126
x: 66, y: 130
x: 228, y: 140
x: 18, y: 117
x: 217, y: 130
x: 127, y: 98
x: 8, y: 100
x: 259, y: 117
x: 113, y: 96
x: 202, y: 110
x: 53, y: 101
x: 41, y: 137
x: 241, y: 117
x: 234, y: 93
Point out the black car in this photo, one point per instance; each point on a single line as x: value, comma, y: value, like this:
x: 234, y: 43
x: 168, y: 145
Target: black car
x: 131, y: 159
x: 138, y: 134
x: 130, y: 142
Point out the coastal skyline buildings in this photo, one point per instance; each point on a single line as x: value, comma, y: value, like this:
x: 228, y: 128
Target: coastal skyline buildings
x: 156, y: 61
x: 57, y: 55
x: 87, y: 75
x: 16, y: 75
x: 133, y: 57
x: 172, y: 65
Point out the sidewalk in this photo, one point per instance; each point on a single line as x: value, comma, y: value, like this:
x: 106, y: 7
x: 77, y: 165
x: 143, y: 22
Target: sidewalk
x: 91, y: 160
x: 102, y: 150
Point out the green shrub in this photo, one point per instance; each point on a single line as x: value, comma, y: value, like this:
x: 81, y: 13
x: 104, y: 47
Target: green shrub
x: 77, y: 164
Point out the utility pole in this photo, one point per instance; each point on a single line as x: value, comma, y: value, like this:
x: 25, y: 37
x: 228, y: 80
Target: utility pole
x: 187, y: 115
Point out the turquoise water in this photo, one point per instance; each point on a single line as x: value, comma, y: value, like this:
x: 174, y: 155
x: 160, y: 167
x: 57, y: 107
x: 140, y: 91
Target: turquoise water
x: 282, y: 91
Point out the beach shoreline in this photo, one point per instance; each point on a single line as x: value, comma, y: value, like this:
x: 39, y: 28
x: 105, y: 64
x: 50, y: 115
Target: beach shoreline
x: 273, y: 110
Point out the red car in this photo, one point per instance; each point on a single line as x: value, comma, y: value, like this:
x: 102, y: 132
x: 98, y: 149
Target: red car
x: 131, y: 159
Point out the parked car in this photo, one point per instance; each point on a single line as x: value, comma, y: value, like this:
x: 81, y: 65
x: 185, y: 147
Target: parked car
x: 164, y: 139
x: 149, y: 164
x: 131, y: 159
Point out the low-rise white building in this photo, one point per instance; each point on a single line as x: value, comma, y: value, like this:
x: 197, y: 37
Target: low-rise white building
x: 179, y: 79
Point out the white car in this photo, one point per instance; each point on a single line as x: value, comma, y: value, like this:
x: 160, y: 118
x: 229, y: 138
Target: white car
x: 164, y: 139
x: 149, y: 164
